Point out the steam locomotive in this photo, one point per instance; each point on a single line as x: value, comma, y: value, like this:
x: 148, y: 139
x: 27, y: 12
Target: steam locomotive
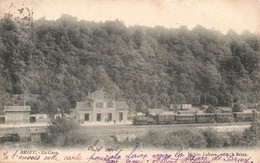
x: 174, y: 118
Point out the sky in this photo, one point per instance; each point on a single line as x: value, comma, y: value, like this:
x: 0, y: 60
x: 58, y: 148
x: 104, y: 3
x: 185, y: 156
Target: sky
x: 221, y: 15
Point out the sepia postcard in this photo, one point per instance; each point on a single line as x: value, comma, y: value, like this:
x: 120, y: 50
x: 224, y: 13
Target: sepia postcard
x: 130, y: 81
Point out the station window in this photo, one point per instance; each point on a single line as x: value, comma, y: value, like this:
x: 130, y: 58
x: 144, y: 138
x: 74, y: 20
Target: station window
x: 99, y: 105
x: 109, y: 116
x: 98, y: 116
x: 86, y: 116
x: 120, y: 116
x: 110, y: 105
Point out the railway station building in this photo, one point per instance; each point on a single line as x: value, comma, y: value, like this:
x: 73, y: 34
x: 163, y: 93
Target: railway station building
x: 101, y: 107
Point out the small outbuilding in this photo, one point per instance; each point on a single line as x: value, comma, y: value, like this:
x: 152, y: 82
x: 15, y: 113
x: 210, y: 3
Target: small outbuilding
x: 17, y: 114
x: 38, y: 134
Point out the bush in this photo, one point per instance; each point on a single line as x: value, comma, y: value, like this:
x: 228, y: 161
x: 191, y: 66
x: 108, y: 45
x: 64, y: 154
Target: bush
x: 174, y: 139
x: 237, y: 108
x: 216, y: 139
x: 210, y: 109
x: 66, y: 132
x: 236, y: 139
x: 150, y: 139
x: 186, y: 138
x: 252, y: 135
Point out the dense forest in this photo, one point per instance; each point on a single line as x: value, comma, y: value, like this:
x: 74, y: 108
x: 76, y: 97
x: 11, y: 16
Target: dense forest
x: 52, y: 64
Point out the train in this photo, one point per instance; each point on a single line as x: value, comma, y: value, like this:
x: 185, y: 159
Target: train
x: 174, y: 118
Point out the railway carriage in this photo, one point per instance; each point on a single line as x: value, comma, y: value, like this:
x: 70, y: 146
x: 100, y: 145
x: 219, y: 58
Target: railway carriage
x: 171, y: 118
x: 205, y: 118
x: 243, y: 117
x: 224, y: 117
x: 185, y: 118
x: 166, y: 118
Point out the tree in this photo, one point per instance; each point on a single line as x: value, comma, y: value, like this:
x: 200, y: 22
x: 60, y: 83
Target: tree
x: 228, y: 99
x: 61, y: 61
x: 252, y: 135
x: 210, y: 109
x: 180, y: 98
x: 146, y: 99
x: 66, y: 132
x: 141, y: 107
x: 237, y: 108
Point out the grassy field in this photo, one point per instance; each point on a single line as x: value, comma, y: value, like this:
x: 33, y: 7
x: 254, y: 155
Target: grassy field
x: 102, y: 131
x: 146, y: 134
x: 153, y: 135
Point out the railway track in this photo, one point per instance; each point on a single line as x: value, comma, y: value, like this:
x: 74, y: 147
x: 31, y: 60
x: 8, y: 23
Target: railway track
x: 39, y: 125
x: 169, y: 125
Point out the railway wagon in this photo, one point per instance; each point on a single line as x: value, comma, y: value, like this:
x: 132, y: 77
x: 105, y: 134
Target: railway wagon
x: 166, y: 118
x: 185, y: 118
x: 243, y: 117
x: 223, y: 117
x: 205, y: 118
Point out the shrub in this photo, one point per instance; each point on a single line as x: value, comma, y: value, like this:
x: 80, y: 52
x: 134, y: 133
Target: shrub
x: 183, y: 138
x: 252, y: 135
x: 151, y: 138
x: 186, y: 138
x: 236, y: 139
x: 216, y: 139
x: 210, y: 109
x: 66, y: 132
x: 237, y: 108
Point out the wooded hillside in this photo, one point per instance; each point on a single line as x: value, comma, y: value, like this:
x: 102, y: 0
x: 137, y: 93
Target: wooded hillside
x: 53, y: 64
